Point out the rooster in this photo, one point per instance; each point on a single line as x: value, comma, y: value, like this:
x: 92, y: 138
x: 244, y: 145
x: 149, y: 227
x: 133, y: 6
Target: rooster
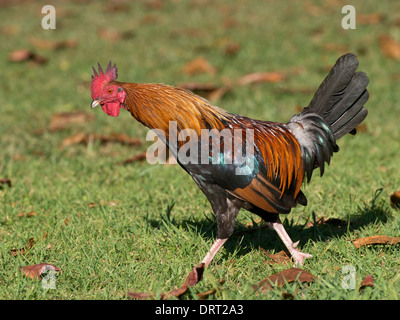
x: 284, y: 154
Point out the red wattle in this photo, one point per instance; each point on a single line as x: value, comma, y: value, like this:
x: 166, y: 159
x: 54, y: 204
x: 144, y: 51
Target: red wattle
x: 111, y: 108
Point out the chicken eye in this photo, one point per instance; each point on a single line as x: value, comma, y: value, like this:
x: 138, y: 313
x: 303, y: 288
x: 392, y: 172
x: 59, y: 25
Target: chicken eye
x: 110, y: 90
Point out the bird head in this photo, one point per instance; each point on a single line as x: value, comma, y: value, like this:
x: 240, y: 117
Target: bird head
x: 109, y: 95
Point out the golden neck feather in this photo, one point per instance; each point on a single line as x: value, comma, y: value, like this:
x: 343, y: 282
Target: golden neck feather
x: 155, y: 105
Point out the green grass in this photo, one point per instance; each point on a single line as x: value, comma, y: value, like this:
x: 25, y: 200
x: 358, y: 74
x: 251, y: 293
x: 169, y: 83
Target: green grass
x: 140, y: 244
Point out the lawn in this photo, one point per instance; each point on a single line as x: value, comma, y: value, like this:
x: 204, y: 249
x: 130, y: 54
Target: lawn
x: 113, y: 227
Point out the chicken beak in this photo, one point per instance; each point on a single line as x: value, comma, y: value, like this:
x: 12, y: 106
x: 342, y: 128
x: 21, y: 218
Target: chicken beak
x: 95, y: 103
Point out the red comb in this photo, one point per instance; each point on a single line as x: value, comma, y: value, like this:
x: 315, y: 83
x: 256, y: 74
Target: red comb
x: 99, y: 79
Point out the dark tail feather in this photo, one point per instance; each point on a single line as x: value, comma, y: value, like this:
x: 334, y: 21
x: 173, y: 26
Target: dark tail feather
x: 340, y: 98
x: 336, y: 109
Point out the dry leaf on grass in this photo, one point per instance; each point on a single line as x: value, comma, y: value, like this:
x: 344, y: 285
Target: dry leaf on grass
x: 154, y: 4
x: 395, y: 199
x: 277, y: 258
x: 23, y: 55
x: 27, y: 214
x: 199, y: 65
x: 63, y: 120
x: 367, y: 282
x: 260, y: 77
x: 281, y: 278
x: 115, y: 6
x: 193, y: 278
x: 232, y: 49
x: 85, y: 138
x: 362, y: 128
x: 34, y: 271
x: 114, y: 35
x: 206, y: 294
x: 375, y: 240
x: 5, y: 181
x: 137, y: 158
x: 373, y: 18
x: 389, y: 46
x: 23, y: 250
x: 102, y: 203
x: 53, y: 44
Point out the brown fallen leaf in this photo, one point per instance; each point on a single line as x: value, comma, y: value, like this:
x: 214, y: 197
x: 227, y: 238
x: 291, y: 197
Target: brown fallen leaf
x: 279, y: 279
x: 375, y: 240
x: 277, y: 258
x: 389, y: 46
x: 23, y: 55
x: 114, y: 35
x: 373, y: 18
x: 53, y: 44
x: 80, y: 137
x: 395, y: 199
x: 206, y: 294
x: 63, y: 120
x: 9, y: 30
x: 84, y: 138
x: 34, y: 271
x: 23, y: 250
x: 137, y: 158
x: 154, y: 4
x: 231, y: 49
x: 27, y: 214
x: 199, y: 65
x: 260, y: 77
x: 102, y: 203
x: 192, y: 279
x: 5, y: 181
x: 230, y: 22
x: 367, y: 282
x: 362, y: 128
x: 114, y: 6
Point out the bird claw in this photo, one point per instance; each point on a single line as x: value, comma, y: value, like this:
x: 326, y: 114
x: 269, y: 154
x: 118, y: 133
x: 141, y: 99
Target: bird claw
x: 299, y: 256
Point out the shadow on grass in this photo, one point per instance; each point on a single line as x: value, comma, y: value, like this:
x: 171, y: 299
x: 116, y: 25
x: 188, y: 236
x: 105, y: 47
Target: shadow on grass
x: 244, y: 239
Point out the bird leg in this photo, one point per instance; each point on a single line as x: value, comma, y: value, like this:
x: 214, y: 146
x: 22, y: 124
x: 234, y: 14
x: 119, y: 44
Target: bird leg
x: 296, y: 254
x: 213, y: 251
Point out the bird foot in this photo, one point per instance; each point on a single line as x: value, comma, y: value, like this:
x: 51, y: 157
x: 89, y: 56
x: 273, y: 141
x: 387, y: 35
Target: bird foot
x: 297, y: 255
